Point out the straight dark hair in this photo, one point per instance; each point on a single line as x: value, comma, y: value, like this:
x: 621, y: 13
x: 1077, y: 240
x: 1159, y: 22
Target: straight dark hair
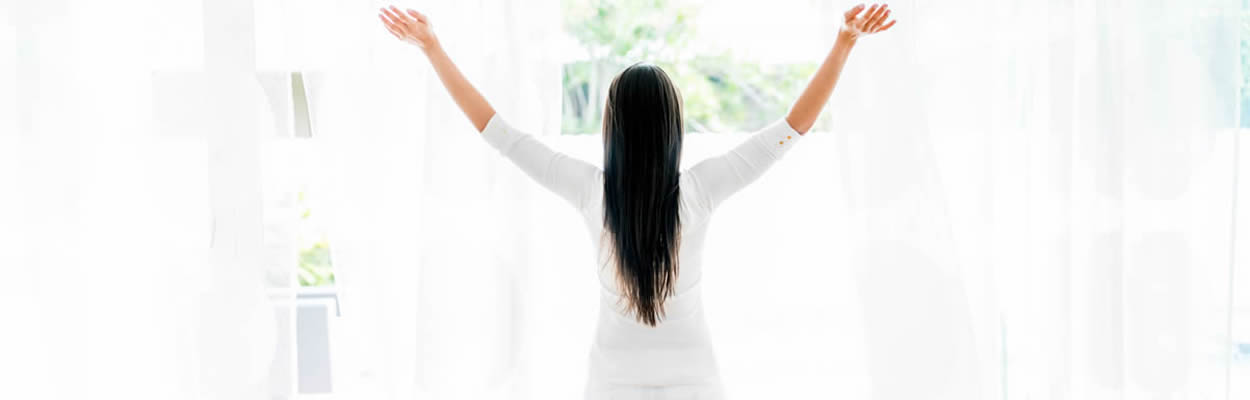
x: 642, y: 136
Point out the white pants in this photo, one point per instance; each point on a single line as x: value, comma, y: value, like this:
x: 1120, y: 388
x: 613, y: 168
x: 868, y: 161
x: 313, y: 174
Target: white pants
x: 675, y: 392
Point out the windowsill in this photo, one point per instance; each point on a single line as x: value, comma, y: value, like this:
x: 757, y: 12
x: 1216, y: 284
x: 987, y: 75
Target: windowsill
x: 305, y: 295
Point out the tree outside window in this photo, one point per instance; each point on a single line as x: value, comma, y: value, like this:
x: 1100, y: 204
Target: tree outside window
x: 722, y: 91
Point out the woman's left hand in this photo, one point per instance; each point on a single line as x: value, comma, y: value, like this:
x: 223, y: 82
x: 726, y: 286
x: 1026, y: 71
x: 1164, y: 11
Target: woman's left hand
x: 873, y: 21
x: 409, y: 26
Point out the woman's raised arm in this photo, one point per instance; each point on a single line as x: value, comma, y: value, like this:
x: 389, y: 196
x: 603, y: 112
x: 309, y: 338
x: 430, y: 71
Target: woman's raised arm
x: 805, y: 111
x: 568, y: 177
x: 719, y: 177
x: 414, y: 27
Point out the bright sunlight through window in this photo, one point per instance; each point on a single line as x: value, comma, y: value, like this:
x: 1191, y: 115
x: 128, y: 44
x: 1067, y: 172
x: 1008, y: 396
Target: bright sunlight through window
x: 717, y: 53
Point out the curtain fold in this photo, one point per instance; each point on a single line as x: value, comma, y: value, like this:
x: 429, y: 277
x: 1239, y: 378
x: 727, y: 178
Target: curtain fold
x: 1058, y: 198
x: 131, y: 215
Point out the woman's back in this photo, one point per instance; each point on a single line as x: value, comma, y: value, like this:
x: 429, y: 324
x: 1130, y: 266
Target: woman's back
x: 676, y: 351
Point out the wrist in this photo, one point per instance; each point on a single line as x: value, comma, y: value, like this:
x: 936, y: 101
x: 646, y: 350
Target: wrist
x: 431, y: 49
x: 845, y: 36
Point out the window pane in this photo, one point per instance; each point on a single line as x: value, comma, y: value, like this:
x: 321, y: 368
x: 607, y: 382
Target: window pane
x: 734, y: 74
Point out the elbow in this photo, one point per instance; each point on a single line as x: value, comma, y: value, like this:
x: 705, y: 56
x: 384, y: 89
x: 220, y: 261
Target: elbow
x: 480, y: 123
x: 800, y: 125
x: 482, y: 119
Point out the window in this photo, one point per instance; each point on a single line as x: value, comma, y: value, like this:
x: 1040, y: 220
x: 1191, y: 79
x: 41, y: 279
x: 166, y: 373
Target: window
x: 291, y: 205
x: 1244, y: 105
x: 1240, y: 287
x: 301, y: 272
x: 728, y: 84
x: 315, y: 266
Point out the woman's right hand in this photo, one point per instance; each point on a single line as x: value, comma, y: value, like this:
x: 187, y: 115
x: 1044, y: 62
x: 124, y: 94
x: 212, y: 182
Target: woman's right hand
x: 410, y: 26
x: 856, y: 25
x: 805, y: 111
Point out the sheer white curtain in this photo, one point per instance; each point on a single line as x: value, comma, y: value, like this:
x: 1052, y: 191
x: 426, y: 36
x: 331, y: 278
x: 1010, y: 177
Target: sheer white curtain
x: 1040, y: 199
x: 1020, y: 199
x: 130, y: 220
x: 427, y: 223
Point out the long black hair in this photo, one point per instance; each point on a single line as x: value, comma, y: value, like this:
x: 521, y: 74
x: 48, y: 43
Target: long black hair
x: 642, y: 135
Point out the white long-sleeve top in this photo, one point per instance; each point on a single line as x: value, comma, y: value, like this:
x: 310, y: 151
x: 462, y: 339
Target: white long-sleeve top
x: 677, y: 351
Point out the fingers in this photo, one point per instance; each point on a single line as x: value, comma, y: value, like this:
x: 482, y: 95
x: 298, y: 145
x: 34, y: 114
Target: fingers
x: 868, y: 15
x: 391, y: 19
x: 887, y: 26
x: 876, y: 23
x: 395, y: 15
x: 419, y: 16
x: 854, y: 12
x: 399, y: 34
x: 386, y: 19
x: 391, y: 25
x: 387, y: 24
x: 875, y: 19
x: 398, y: 14
x: 396, y: 23
x: 409, y: 16
x: 873, y: 14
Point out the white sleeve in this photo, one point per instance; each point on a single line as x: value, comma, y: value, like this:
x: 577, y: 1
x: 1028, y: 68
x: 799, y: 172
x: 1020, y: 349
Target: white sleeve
x: 568, y: 177
x: 719, y: 177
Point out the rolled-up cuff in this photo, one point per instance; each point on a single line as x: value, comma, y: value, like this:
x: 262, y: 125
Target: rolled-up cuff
x: 780, y: 136
x: 496, y: 132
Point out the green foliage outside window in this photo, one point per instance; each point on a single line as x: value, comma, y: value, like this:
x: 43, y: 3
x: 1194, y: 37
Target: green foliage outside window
x: 1245, y: 66
x: 721, y: 91
x: 315, y: 266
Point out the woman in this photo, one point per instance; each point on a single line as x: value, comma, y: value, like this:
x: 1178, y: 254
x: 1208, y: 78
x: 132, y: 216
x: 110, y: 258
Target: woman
x: 650, y: 218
